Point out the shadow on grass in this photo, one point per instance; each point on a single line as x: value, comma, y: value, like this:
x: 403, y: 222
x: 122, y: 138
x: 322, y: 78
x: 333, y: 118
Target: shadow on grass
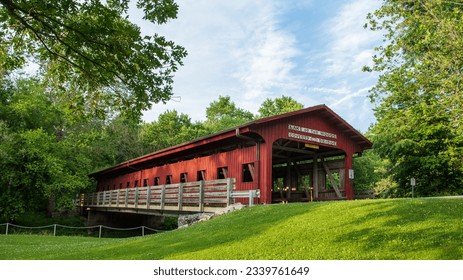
x: 230, y: 228
x: 407, y: 229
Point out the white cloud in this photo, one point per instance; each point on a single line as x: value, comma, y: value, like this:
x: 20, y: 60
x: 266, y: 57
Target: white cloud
x: 351, y: 45
x: 235, y: 48
x: 265, y: 60
x: 253, y: 50
x: 349, y: 48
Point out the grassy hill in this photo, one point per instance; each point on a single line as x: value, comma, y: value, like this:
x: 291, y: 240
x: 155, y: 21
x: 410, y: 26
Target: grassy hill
x: 368, y: 229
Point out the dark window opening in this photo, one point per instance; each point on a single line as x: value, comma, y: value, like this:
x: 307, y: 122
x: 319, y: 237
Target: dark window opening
x: 248, y: 172
x: 145, y: 182
x: 156, y: 181
x: 136, y: 184
x: 183, y: 177
x: 222, y: 172
x: 120, y: 186
x: 201, y: 175
x: 169, y: 179
x: 128, y: 185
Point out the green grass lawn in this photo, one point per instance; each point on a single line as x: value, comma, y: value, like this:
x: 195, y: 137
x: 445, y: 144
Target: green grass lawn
x: 366, y: 229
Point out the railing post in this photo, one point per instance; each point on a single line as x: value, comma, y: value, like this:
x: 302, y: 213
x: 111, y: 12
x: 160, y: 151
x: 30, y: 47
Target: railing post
x: 148, y: 197
x: 136, y: 197
x: 126, y: 197
x: 98, y: 198
x: 201, y: 196
x: 142, y: 230
x: 54, y: 229
x: 251, y: 198
x: 118, y: 195
x: 6, y: 232
x: 163, y: 196
x: 110, y: 198
x: 99, y: 234
x: 180, y: 196
x: 229, y: 191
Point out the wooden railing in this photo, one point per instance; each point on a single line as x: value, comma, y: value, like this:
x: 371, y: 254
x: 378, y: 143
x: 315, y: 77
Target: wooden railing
x: 199, y: 196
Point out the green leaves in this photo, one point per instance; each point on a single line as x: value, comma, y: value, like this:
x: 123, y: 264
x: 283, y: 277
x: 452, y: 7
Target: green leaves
x: 92, y: 50
x: 284, y: 104
x: 418, y: 94
x: 43, y: 153
x: 158, y: 11
x: 224, y: 113
x: 171, y: 129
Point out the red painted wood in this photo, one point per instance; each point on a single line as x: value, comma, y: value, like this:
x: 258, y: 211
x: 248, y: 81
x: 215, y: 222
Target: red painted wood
x: 266, y: 131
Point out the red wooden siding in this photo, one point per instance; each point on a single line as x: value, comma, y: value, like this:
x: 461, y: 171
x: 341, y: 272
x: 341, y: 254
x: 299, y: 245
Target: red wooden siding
x: 233, y: 160
x: 253, y: 144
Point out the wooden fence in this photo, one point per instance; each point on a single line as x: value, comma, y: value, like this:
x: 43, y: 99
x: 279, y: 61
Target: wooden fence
x: 199, y: 196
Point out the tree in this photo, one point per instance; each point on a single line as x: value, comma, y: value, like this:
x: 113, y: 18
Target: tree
x: 170, y: 129
x: 45, y: 161
x: 418, y: 95
x: 223, y: 114
x: 90, y: 53
x: 272, y: 107
x: 113, y: 142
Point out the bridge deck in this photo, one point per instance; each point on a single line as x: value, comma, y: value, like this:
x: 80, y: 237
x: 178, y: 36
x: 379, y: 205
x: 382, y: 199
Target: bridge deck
x: 199, y: 196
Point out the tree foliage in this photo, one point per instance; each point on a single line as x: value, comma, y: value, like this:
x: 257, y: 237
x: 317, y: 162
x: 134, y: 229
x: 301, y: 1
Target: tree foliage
x: 170, y: 129
x: 92, y: 55
x: 223, y: 113
x: 284, y: 104
x: 418, y: 95
x: 43, y: 161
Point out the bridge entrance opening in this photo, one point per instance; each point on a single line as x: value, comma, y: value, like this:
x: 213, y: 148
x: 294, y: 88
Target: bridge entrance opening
x: 306, y: 172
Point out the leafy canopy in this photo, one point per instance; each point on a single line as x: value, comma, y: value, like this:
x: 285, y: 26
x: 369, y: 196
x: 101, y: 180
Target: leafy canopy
x: 418, y: 95
x: 223, y: 113
x: 90, y: 53
x: 284, y: 104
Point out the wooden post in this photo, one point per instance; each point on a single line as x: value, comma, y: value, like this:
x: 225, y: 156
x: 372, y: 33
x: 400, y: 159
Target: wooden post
x: 288, y: 180
x: 348, y: 188
x: 6, y: 232
x: 306, y: 188
x: 126, y: 197
x: 110, y: 197
x: 163, y: 196
x: 142, y: 230
x: 136, y: 197
x: 315, y: 176
x: 99, y: 234
x: 201, y: 196
x: 118, y: 195
x: 148, y: 197
x: 180, y: 196
x: 54, y: 229
x: 229, y: 191
x: 251, y: 198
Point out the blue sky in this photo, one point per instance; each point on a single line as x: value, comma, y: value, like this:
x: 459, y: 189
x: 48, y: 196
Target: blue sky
x: 311, y: 50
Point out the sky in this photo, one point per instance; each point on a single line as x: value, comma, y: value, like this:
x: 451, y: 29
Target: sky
x: 251, y: 50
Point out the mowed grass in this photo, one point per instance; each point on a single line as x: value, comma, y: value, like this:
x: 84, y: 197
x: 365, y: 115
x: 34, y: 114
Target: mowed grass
x: 397, y: 229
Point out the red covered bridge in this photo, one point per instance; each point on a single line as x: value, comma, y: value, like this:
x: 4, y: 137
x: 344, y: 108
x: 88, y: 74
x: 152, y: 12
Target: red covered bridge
x: 299, y: 156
